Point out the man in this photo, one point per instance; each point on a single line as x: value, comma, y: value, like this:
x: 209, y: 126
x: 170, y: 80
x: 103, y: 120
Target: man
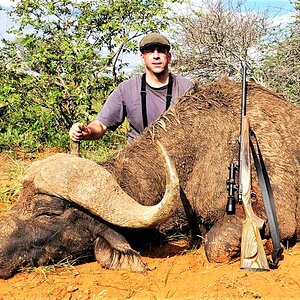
x: 142, y: 99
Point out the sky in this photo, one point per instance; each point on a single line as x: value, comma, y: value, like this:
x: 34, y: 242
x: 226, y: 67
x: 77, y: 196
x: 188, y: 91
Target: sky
x: 4, y: 20
x: 283, y: 6
x: 281, y: 11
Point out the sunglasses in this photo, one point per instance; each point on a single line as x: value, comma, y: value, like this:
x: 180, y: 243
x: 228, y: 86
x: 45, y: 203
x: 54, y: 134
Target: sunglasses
x: 159, y: 49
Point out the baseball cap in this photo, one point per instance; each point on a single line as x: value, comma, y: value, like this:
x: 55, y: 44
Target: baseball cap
x: 154, y: 39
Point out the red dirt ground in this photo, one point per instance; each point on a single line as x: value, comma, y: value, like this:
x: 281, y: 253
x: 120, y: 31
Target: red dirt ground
x: 175, y: 274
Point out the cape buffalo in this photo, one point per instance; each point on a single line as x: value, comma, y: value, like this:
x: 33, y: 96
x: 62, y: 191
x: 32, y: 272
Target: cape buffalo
x: 72, y: 207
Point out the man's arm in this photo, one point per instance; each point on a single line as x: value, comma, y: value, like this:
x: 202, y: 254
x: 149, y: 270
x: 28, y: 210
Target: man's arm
x: 93, y: 131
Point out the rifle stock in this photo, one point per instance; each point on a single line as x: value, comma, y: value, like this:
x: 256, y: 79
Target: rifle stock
x: 253, y: 255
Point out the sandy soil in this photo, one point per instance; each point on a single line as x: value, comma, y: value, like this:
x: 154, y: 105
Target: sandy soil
x: 176, y: 273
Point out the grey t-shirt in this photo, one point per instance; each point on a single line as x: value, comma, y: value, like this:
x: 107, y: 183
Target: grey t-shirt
x: 125, y: 101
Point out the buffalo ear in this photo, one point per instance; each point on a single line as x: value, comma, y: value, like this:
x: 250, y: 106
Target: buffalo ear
x: 116, y: 254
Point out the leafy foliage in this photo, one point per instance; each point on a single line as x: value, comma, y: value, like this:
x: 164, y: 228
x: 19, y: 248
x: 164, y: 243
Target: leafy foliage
x: 279, y: 67
x: 63, y: 62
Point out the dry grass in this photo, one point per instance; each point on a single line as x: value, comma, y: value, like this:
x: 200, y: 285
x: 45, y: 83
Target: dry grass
x: 66, y: 266
x: 11, y: 174
x: 13, y: 166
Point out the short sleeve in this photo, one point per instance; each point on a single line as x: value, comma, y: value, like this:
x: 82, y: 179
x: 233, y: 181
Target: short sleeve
x: 113, y: 111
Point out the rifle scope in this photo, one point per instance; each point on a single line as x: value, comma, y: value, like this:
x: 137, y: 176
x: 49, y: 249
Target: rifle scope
x: 231, y: 188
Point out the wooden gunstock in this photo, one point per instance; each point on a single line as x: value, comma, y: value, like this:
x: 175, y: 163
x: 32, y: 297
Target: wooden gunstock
x: 253, y: 255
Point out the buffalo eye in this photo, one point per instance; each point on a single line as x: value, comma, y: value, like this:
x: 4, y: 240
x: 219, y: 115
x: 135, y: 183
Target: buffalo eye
x: 50, y: 214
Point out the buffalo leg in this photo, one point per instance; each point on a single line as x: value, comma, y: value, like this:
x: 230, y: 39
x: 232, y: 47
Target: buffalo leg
x: 223, y: 241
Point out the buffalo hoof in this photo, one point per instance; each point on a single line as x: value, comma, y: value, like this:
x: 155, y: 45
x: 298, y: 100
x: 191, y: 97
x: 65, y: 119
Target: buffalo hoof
x: 223, y: 241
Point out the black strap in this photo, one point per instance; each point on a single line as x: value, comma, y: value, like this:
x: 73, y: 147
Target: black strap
x: 169, y: 92
x: 143, y: 97
x: 267, y: 194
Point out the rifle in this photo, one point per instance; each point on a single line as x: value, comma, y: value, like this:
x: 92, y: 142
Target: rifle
x: 253, y: 256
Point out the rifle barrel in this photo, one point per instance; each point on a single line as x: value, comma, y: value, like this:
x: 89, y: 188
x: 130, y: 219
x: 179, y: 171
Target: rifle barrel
x: 243, y: 109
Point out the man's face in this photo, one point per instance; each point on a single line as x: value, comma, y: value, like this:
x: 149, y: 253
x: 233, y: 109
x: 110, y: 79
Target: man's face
x: 156, y: 58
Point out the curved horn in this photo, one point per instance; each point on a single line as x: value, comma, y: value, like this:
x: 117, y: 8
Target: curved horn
x: 91, y: 186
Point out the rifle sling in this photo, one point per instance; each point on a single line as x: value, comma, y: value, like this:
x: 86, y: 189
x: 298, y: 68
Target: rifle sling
x: 267, y: 194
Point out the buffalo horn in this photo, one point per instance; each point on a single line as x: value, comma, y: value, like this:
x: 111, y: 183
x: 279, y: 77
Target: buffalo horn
x: 92, y: 187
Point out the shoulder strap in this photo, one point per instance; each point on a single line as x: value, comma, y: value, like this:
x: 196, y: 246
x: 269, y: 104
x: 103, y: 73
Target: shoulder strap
x: 169, y: 91
x: 144, y: 94
x: 267, y: 194
x: 143, y: 98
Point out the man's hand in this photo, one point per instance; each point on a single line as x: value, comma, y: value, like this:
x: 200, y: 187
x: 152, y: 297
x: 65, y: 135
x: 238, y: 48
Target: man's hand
x: 92, y: 131
x: 79, y: 132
